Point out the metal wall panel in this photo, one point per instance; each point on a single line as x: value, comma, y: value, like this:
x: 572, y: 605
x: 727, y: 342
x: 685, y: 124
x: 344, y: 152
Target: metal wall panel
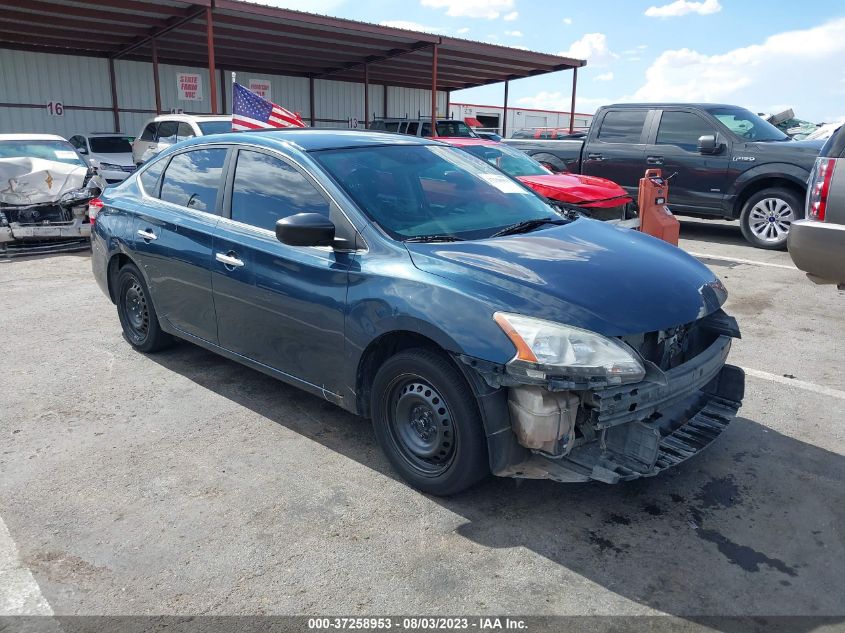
x: 413, y: 102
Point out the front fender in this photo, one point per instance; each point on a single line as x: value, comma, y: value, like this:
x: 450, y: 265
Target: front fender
x: 769, y: 171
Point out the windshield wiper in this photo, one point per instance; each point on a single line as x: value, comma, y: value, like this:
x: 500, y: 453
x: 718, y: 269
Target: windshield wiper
x: 528, y: 225
x: 434, y: 238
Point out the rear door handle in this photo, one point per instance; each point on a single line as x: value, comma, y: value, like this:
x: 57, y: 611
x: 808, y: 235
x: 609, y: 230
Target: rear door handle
x: 147, y: 234
x: 595, y: 156
x: 229, y: 259
x: 654, y: 160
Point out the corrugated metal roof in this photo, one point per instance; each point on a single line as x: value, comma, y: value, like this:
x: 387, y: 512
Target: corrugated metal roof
x: 258, y: 38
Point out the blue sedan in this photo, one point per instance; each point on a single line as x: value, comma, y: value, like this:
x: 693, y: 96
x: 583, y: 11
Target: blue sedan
x: 480, y: 329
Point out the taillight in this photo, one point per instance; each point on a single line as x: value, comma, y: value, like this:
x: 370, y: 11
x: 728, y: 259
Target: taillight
x: 94, y: 207
x: 819, y: 188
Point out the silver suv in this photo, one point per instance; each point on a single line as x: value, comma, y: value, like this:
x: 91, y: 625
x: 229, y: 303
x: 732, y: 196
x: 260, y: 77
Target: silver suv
x: 817, y: 243
x: 166, y: 129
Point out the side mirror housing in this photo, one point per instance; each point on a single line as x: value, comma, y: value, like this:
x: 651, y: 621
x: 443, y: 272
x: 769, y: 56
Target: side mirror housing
x: 709, y: 144
x: 305, y: 229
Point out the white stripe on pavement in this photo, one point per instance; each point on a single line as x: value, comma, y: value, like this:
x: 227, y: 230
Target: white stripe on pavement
x: 792, y: 382
x: 738, y: 260
x: 19, y: 593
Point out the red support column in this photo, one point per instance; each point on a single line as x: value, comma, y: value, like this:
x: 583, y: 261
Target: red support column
x: 115, y: 112
x: 384, y: 101
x: 366, y: 96
x: 222, y: 91
x: 572, y: 106
x: 434, y: 90
x: 311, y: 99
x: 505, y: 115
x: 212, y: 78
x: 156, y: 84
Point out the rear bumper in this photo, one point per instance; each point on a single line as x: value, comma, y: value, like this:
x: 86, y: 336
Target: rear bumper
x: 642, y: 429
x: 818, y: 248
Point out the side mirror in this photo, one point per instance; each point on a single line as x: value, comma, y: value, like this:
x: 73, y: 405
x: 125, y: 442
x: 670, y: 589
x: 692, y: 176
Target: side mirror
x: 305, y: 229
x: 708, y: 144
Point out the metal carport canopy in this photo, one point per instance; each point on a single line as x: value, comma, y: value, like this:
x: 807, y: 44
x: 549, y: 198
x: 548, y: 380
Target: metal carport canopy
x: 254, y: 38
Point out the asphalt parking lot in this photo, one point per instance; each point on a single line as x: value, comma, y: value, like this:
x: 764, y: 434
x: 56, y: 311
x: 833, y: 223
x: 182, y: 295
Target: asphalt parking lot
x: 182, y: 483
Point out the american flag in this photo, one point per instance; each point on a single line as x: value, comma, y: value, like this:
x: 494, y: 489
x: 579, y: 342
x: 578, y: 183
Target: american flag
x: 251, y: 112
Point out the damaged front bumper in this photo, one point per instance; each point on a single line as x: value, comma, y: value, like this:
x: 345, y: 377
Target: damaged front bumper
x: 616, y: 433
x: 14, y: 231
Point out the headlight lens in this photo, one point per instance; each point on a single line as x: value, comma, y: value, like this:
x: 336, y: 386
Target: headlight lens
x: 110, y: 167
x: 563, y: 349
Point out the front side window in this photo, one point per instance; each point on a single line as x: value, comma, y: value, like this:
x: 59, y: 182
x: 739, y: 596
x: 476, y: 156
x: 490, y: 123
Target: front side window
x: 214, y: 127
x: 457, y: 129
x: 192, y: 179
x: 622, y: 126
x: 413, y: 128
x: 422, y: 191
x: 167, y: 131
x: 149, y: 132
x: 682, y: 129
x: 747, y: 125
x: 390, y: 126
x: 185, y: 131
x: 267, y: 189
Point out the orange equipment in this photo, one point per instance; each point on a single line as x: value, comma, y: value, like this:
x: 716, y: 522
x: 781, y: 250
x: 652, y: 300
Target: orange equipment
x: 655, y: 217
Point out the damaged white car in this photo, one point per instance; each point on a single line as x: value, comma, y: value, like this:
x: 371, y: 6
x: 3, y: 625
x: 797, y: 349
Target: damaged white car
x: 45, y: 190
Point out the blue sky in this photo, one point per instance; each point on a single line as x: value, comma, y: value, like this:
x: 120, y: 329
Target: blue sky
x: 763, y: 55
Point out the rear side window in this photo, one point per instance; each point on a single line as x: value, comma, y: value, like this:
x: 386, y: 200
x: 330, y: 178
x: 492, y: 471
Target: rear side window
x: 377, y: 125
x: 167, y: 131
x: 392, y: 126
x: 267, y: 189
x: 150, y: 176
x: 185, y: 131
x: 192, y: 179
x: 835, y: 145
x: 622, y: 126
x: 682, y: 129
x: 413, y: 128
x: 149, y: 132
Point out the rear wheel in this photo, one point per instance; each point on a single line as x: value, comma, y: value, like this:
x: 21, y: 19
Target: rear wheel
x: 427, y: 423
x: 137, y: 314
x: 767, y: 216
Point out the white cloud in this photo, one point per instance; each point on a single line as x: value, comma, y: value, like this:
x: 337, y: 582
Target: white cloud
x: 604, y: 77
x: 567, y: 21
x: 592, y: 47
x: 510, y: 17
x: 682, y: 7
x: 463, y: 30
x: 514, y: 33
x: 522, y: 48
x: 791, y: 67
x: 413, y: 26
x: 490, y: 9
x: 561, y: 102
x: 314, y: 6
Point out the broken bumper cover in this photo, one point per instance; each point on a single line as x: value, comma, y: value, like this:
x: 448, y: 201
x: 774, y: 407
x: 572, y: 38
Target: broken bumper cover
x: 644, y: 428
x: 14, y: 232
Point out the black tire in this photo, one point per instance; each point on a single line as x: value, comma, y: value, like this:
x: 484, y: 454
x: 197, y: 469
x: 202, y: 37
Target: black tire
x: 137, y: 314
x: 426, y: 421
x: 767, y: 216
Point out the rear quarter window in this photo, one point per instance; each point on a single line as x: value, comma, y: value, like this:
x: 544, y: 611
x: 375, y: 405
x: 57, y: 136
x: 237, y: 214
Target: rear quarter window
x: 622, y: 126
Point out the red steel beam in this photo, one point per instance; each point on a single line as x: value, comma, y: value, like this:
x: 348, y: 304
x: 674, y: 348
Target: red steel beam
x: 311, y: 98
x: 212, y: 79
x: 434, y: 90
x: 505, y: 115
x: 366, y: 96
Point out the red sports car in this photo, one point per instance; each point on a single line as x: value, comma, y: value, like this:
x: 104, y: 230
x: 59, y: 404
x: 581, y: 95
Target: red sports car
x: 587, y: 192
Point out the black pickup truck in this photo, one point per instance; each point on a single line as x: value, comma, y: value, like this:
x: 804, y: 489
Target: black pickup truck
x: 725, y: 162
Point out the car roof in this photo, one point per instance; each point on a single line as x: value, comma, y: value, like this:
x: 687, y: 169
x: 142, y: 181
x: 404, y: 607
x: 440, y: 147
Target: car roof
x: 192, y: 117
x: 463, y: 140
x: 31, y: 137
x: 425, y: 119
x: 703, y: 106
x: 314, y: 139
x: 99, y: 134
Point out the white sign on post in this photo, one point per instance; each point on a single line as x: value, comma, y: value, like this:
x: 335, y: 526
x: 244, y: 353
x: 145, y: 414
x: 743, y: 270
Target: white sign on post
x: 262, y: 88
x: 189, y: 86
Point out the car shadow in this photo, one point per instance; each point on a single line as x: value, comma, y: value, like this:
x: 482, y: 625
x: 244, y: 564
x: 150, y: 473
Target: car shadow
x: 751, y: 527
x: 709, y: 231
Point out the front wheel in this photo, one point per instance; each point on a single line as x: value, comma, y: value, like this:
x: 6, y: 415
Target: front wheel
x: 427, y: 423
x: 768, y: 215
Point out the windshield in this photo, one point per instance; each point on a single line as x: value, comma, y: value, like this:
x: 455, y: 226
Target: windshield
x: 111, y: 144
x: 511, y: 161
x: 59, y: 151
x: 747, y: 125
x: 430, y: 190
x: 215, y: 127
x: 455, y: 128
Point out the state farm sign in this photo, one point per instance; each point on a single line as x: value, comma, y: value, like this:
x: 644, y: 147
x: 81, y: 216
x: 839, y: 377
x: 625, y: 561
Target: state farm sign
x: 189, y: 86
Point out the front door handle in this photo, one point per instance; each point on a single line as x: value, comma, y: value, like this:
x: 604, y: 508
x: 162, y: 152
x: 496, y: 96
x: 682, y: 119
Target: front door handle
x: 595, y: 156
x: 230, y: 259
x: 654, y: 160
x: 147, y: 234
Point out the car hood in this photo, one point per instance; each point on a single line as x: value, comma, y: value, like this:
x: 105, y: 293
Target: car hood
x: 801, y: 153
x: 124, y: 159
x: 587, y: 273
x: 586, y: 191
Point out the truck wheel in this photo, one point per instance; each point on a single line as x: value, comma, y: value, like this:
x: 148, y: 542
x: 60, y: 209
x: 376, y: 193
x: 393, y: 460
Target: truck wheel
x: 137, y: 314
x: 427, y: 423
x: 767, y: 216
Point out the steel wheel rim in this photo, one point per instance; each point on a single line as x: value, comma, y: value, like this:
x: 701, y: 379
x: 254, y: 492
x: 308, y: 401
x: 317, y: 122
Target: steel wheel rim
x: 770, y: 219
x: 137, y: 311
x: 421, y: 425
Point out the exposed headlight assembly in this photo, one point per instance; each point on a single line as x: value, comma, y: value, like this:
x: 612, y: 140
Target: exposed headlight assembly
x: 545, y: 347
x: 110, y: 167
